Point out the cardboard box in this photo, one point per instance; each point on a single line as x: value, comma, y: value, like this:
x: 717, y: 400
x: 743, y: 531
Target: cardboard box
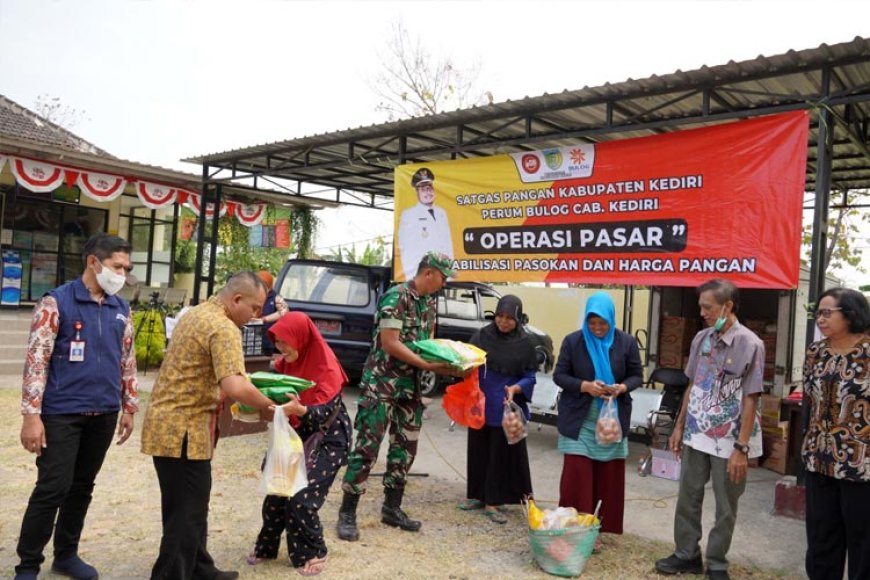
x: 665, y: 465
x: 774, y: 453
x: 775, y: 464
x: 770, y: 404
x: 770, y: 421
x: 669, y: 360
x: 770, y: 407
x: 675, y: 338
x: 778, y: 430
x: 756, y: 326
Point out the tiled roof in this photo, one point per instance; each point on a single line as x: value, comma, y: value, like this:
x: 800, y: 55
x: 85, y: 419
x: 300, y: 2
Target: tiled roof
x: 20, y: 122
x: 23, y: 132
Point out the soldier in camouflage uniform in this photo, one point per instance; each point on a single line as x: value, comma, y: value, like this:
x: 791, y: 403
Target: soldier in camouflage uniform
x: 390, y: 394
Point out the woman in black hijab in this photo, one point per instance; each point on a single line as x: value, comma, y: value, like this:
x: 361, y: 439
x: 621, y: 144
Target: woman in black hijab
x: 498, y: 473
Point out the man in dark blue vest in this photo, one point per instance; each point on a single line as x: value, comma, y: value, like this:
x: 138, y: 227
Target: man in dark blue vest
x: 80, y: 374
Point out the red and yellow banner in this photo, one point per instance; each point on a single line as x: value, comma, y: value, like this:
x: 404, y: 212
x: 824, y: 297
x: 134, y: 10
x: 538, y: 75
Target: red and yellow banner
x: 670, y: 210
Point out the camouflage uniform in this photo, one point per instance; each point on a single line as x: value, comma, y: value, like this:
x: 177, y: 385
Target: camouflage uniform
x: 390, y: 396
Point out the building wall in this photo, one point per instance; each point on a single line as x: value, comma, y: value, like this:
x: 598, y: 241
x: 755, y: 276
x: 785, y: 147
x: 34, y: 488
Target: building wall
x: 50, y: 248
x: 559, y: 311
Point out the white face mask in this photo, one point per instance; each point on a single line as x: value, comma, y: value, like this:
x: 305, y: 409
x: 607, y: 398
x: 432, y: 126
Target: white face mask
x: 110, y: 282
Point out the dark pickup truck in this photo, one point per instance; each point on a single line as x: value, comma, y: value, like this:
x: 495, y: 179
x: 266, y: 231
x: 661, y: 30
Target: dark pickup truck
x: 342, y: 299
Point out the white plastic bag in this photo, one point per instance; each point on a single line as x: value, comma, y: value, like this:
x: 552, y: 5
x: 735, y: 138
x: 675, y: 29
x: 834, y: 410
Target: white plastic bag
x: 559, y: 518
x: 607, y: 429
x: 284, y: 473
x: 514, y: 423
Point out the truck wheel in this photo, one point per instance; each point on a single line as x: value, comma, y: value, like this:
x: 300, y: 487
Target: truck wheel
x: 428, y: 383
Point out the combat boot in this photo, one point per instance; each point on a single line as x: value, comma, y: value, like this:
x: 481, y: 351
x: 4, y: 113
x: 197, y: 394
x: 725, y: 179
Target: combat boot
x: 346, y: 527
x: 392, y: 514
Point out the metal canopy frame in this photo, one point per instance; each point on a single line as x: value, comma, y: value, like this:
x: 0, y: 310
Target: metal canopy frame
x: 355, y: 166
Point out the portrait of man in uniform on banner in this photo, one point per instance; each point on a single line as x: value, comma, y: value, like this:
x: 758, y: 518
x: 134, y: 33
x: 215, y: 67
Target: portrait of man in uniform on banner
x: 423, y: 227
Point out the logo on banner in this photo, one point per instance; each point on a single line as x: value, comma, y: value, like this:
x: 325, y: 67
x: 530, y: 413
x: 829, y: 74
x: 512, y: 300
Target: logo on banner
x: 531, y: 163
x: 553, y: 158
x: 562, y: 163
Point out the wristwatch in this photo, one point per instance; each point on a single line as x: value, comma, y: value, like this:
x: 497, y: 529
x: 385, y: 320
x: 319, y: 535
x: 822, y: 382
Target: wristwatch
x: 741, y: 447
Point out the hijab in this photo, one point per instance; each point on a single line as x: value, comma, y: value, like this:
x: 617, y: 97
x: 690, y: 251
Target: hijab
x: 316, y: 360
x: 267, y: 279
x: 601, y: 305
x: 509, y: 353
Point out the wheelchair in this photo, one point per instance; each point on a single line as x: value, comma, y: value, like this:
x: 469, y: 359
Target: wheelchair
x: 661, y: 421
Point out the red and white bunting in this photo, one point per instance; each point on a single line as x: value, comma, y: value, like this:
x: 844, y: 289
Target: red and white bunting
x: 194, y: 203
x: 101, y: 186
x: 37, y: 176
x: 250, y: 214
x: 43, y: 177
x: 155, y: 195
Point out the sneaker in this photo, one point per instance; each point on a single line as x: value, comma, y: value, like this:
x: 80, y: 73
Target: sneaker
x: 673, y: 564
x: 75, y: 567
x: 26, y: 576
x: 718, y: 575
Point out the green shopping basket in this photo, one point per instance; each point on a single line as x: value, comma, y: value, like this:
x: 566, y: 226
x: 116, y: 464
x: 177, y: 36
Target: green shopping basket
x: 563, y: 552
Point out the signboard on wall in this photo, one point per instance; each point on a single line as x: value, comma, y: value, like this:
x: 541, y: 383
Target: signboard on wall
x: 673, y: 210
x: 10, y: 287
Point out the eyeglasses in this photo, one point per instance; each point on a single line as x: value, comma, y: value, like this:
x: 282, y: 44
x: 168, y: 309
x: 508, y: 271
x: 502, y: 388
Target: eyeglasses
x: 825, y: 312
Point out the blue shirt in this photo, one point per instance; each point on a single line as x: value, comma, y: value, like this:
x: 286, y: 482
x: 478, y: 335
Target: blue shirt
x: 493, y: 383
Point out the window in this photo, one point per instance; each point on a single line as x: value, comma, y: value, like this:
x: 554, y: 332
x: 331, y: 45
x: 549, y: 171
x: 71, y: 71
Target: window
x: 150, y: 234
x: 326, y: 284
x: 457, y: 303
x: 49, y: 237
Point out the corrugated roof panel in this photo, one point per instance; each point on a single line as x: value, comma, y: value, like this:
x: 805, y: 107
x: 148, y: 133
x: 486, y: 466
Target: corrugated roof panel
x: 639, y: 107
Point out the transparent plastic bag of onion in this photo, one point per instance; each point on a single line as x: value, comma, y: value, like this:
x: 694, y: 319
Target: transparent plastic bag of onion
x: 607, y: 428
x: 513, y: 422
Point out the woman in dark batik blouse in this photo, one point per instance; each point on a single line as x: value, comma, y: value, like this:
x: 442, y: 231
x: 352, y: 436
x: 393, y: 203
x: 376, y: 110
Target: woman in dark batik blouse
x: 306, y: 355
x: 836, y: 448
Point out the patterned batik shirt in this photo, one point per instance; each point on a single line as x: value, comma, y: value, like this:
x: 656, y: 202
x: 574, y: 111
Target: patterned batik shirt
x: 206, y: 347
x: 385, y: 377
x: 40, y: 347
x: 722, y: 369
x: 837, y: 390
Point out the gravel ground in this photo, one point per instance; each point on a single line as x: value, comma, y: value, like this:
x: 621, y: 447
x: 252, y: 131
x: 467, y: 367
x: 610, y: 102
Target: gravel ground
x: 122, y: 534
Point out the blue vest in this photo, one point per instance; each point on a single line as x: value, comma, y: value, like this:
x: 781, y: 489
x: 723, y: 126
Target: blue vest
x: 93, y: 385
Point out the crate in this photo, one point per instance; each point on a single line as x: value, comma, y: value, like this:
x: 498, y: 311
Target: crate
x: 252, y: 339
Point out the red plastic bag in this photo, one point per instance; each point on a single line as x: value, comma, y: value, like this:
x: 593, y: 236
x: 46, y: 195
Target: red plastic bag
x: 464, y: 402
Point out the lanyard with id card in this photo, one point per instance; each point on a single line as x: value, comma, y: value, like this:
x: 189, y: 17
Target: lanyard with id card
x: 77, y: 346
